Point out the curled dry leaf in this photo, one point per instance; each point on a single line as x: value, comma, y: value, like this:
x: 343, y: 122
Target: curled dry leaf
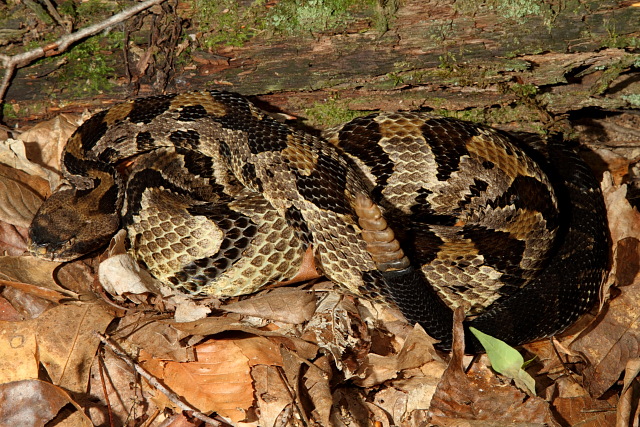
x: 287, y: 305
x: 13, y: 154
x: 405, y: 382
x: 416, y: 352
x: 120, y: 274
x: 45, y: 141
x: 339, y: 328
x: 34, y: 280
x: 629, y: 405
x: 29, y: 270
x: 18, y: 201
x: 161, y: 339
x: 317, y: 385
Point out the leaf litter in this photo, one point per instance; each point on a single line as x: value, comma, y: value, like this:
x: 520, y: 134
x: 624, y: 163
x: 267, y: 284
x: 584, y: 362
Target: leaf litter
x: 301, y: 355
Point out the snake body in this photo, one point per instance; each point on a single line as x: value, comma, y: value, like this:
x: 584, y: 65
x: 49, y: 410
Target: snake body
x: 222, y: 199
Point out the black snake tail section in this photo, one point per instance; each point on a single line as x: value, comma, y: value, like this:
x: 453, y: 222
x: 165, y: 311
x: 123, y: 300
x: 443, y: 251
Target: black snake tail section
x: 570, y: 284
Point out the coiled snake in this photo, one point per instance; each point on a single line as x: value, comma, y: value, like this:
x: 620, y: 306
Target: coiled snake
x: 222, y: 199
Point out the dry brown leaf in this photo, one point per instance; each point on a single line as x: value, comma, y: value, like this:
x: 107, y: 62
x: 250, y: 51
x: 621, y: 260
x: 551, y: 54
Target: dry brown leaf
x: 419, y: 391
x: 216, y: 325
x: 417, y: 351
x: 287, y: 305
x: 33, y: 277
x: 586, y: 411
x: 13, y: 154
x: 45, y: 141
x: 317, y: 384
x: 220, y: 380
x: 480, y: 395
x: 339, y: 328
x: 122, y: 386
x: 77, y: 277
x: 34, y: 402
x: 419, y: 368
x: 29, y: 306
x: 28, y: 270
x: 38, y: 291
x: 629, y: 405
x: 614, y: 337
x: 260, y: 351
x: 292, y: 369
x: 158, y: 338
x: 392, y: 402
x: 18, y: 351
x: 67, y: 343
x: 35, y: 183
x: 18, y: 203
x: 351, y: 409
x: 8, y: 312
x: 272, y: 396
x: 13, y: 240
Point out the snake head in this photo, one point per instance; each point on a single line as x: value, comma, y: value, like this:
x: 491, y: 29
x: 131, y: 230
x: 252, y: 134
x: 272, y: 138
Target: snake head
x: 72, y: 223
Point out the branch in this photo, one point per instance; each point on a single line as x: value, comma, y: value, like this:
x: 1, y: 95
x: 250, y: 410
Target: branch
x: 11, y: 63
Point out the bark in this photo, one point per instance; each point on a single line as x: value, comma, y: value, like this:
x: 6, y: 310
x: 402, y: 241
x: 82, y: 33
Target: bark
x: 495, y: 60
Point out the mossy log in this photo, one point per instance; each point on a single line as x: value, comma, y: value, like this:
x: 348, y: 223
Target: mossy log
x: 494, y: 60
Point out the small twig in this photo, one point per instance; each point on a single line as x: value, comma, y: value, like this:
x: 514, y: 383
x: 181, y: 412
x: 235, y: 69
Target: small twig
x: 103, y: 381
x: 11, y: 63
x: 174, y: 398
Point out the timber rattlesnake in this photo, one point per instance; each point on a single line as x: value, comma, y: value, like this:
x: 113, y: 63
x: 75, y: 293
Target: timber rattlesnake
x: 223, y: 200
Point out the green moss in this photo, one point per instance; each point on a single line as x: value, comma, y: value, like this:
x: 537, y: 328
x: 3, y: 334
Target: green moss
x: 524, y: 90
x: 633, y: 99
x: 477, y: 115
x: 331, y: 113
x: 89, y: 70
x: 8, y: 112
x: 24, y: 110
x: 615, y: 40
x: 611, y: 72
x: 518, y: 10
x: 507, y: 114
x: 68, y: 8
x: 447, y: 61
x: 296, y: 17
x: 96, y: 7
x: 225, y: 22
x: 233, y: 23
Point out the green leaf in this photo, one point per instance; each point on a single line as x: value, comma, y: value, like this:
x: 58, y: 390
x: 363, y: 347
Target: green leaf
x: 505, y: 360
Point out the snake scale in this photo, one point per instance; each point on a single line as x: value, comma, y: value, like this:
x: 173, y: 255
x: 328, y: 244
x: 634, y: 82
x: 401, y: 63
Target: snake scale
x: 222, y: 199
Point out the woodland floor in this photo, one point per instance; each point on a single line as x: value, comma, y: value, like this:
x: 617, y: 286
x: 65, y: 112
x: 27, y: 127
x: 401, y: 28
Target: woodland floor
x: 307, y: 354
